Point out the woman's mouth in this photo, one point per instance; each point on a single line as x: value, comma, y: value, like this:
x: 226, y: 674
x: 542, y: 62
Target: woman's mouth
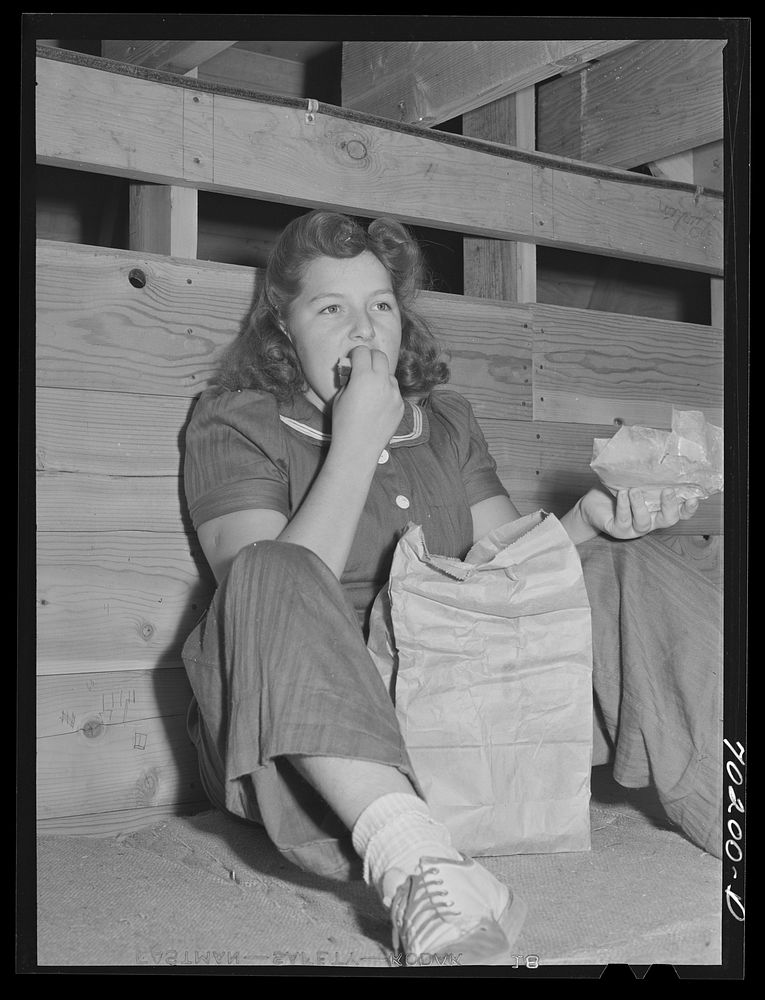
x: 343, y: 371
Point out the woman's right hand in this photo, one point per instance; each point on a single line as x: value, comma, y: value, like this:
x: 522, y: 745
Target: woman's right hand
x: 367, y: 411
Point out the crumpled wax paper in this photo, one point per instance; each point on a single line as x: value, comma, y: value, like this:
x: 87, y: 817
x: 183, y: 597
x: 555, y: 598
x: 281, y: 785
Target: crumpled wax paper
x: 688, y: 458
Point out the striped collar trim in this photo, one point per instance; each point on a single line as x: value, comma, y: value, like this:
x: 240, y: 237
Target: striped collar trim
x: 411, y: 437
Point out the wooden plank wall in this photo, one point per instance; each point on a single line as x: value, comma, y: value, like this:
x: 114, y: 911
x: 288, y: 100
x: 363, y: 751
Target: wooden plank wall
x: 121, y: 579
x: 657, y: 103
x: 125, y: 342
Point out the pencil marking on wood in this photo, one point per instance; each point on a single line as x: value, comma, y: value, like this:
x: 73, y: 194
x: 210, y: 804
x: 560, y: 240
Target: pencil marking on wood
x: 695, y: 226
x: 68, y: 719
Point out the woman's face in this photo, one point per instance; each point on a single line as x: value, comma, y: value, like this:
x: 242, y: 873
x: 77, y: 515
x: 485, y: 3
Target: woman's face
x: 342, y: 303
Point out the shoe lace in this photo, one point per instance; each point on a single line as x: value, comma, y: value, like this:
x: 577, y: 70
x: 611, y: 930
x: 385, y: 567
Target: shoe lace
x: 426, y: 884
x: 424, y: 903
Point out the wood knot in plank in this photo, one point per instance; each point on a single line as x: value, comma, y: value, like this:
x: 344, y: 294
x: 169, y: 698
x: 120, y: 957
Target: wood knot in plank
x: 353, y: 147
x: 147, y: 631
x: 93, y: 727
x: 147, y: 786
x: 356, y: 149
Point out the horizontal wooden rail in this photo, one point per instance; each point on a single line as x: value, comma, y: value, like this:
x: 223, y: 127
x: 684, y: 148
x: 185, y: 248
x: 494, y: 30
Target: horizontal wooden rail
x: 122, y: 598
x: 107, y: 117
x: 594, y: 368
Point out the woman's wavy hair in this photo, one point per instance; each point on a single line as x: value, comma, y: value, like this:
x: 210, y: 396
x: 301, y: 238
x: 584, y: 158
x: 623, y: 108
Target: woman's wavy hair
x: 263, y: 358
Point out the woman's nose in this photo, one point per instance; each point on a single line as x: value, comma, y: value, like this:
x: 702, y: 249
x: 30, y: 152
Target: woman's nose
x: 363, y: 327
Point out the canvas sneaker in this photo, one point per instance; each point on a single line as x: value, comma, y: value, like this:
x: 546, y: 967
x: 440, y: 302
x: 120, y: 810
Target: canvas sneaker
x: 458, y: 909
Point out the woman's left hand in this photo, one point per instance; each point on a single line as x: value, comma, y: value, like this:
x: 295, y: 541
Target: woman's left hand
x: 627, y: 516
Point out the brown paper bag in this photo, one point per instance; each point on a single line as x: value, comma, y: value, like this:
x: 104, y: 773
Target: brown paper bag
x: 489, y: 662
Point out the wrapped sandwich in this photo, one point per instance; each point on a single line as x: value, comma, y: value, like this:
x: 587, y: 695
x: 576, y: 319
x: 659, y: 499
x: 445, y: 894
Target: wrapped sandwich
x: 688, y: 459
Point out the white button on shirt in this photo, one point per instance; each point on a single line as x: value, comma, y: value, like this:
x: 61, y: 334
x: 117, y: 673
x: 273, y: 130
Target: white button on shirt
x: 402, y: 501
x: 384, y: 456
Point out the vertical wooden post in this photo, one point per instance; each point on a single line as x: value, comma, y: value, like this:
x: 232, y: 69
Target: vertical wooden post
x: 501, y: 269
x: 164, y: 218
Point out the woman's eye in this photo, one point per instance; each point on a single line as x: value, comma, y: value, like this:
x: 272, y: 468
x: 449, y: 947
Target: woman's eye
x: 331, y: 309
x: 384, y: 306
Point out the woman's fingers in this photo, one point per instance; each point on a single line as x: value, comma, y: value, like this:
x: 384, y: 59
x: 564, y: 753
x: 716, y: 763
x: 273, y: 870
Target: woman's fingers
x: 380, y: 361
x: 623, y: 510
x: 363, y: 357
x: 633, y: 517
x: 688, y: 508
x: 669, y: 512
x: 642, y: 521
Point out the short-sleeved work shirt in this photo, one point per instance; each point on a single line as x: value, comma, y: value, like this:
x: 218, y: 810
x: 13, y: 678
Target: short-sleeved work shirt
x: 244, y: 450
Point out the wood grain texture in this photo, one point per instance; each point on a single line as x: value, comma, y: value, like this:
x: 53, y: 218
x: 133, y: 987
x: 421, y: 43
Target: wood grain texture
x: 96, y: 331
x: 594, y: 367
x: 117, y: 597
x: 430, y: 82
x: 116, y: 822
x: 91, y: 503
x: 98, y: 121
x: 142, y: 763
x: 352, y: 166
x: 163, y: 219
x: 110, y: 433
x: 72, y: 703
x: 637, y: 223
x: 648, y: 101
x: 276, y: 152
x: 363, y: 167
x: 489, y: 351
x: 110, y: 503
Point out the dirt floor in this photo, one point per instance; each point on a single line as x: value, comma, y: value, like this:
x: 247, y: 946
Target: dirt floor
x: 209, y: 891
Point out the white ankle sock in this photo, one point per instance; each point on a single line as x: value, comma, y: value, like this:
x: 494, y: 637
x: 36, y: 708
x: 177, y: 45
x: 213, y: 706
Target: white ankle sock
x: 392, y: 834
